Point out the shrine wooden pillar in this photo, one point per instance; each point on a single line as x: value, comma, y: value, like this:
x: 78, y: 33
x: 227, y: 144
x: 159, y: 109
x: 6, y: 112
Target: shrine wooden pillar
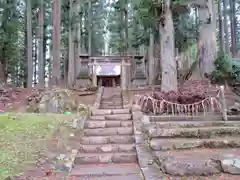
x: 94, y: 77
x: 92, y: 72
x: 123, y: 75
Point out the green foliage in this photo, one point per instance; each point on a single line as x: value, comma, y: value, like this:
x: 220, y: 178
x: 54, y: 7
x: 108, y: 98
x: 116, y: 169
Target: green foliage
x: 225, y: 70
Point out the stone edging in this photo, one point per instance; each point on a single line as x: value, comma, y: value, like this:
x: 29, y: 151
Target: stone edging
x: 96, y: 104
x: 65, y: 162
x: 125, y: 96
x: 150, y: 171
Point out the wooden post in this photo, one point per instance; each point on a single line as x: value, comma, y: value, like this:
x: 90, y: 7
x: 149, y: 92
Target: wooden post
x: 123, y: 75
x: 94, y: 73
x: 223, y: 104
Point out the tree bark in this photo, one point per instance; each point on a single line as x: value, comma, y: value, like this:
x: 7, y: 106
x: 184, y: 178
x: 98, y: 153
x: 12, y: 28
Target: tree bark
x: 233, y: 21
x: 168, y: 62
x: 225, y: 23
x: 56, y: 74
x: 89, y: 27
x: 29, y: 44
x: 41, y: 66
x: 151, y: 63
x: 220, y: 23
x: 207, y: 38
x: 71, y: 67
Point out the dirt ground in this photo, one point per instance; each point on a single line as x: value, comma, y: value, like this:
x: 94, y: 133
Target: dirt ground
x: 16, y: 99
x: 40, y: 162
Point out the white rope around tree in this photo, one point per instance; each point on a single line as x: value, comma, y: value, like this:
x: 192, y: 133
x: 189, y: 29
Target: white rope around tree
x: 160, y: 106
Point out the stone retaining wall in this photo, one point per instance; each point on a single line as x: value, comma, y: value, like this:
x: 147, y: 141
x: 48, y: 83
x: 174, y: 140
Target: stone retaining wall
x: 145, y: 158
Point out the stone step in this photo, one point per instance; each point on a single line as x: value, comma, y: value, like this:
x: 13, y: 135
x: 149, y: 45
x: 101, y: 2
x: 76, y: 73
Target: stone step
x: 99, y: 112
x: 198, y: 162
x: 181, y: 143
x: 114, y: 139
x: 111, y: 107
x: 184, y: 118
x: 201, y: 132
x: 111, y: 103
x: 120, y: 117
x: 111, y: 117
x: 109, y: 99
x: 107, y: 124
x: 107, y: 172
x: 117, y: 177
x: 109, y: 131
x: 105, y: 158
x: 190, y: 124
x: 107, y: 148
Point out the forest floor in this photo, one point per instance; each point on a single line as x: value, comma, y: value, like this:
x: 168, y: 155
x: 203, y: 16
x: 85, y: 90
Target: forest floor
x: 30, y: 142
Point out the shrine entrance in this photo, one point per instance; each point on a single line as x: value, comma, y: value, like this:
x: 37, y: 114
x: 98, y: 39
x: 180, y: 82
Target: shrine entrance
x: 109, y: 81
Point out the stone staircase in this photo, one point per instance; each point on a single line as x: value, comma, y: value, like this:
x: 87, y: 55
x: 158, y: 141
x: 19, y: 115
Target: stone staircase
x: 107, y: 148
x: 194, y: 148
x: 111, y: 99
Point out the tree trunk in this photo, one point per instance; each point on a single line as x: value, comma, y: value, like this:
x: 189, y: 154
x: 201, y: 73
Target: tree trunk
x: 89, y: 27
x: 2, y: 73
x: 56, y: 74
x: 29, y: 44
x: 71, y: 67
x: 151, y: 66
x: 225, y: 22
x: 35, y: 58
x: 207, y: 38
x: 41, y: 76
x: 220, y: 23
x: 126, y: 27
x: 233, y: 21
x: 168, y: 62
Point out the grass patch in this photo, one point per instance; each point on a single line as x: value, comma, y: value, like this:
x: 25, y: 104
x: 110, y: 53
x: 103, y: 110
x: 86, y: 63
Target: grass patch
x: 24, y: 136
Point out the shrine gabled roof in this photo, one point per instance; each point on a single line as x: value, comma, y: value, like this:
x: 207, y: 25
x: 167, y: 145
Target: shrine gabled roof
x: 108, y: 70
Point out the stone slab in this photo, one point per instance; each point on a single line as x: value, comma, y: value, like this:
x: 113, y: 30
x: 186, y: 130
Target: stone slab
x: 190, y: 143
x: 194, y: 162
x: 108, y: 131
x: 189, y: 124
x: 120, y: 117
x: 97, y: 118
x: 114, y: 139
x: 106, y: 170
x: 120, y: 111
x: 97, y: 112
x: 106, y: 158
x: 201, y: 132
x: 124, y: 177
x: 105, y: 148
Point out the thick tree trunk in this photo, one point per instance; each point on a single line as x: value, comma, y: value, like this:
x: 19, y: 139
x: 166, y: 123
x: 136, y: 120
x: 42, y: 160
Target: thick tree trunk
x: 126, y: 28
x: 233, y: 21
x: 71, y: 67
x: 207, y: 39
x: 168, y: 62
x: 29, y: 44
x: 41, y: 76
x: 90, y: 27
x: 151, y: 64
x: 220, y: 23
x: 2, y: 73
x: 35, y: 58
x: 225, y: 22
x: 56, y: 73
